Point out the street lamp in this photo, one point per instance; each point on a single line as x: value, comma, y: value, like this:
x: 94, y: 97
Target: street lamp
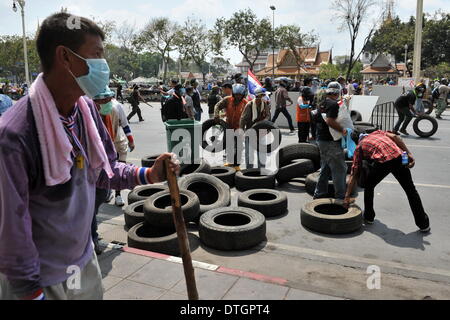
x: 406, y: 53
x: 273, y: 43
x: 25, y: 55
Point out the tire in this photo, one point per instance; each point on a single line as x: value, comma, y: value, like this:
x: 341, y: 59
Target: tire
x: 211, y: 192
x: 245, y: 228
x: 355, y: 115
x: 220, y: 145
x: 270, y: 203
x: 134, y: 214
x: 428, y: 105
x: 158, y: 208
x: 266, y: 124
x: 311, y: 183
x: 140, y: 193
x: 299, y: 151
x: 340, y: 221
x: 421, y: 133
x: 297, y: 169
x: 252, y: 179
x: 202, y: 167
x: 145, y: 237
x: 225, y: 174
x: 365, y: 127
x: 149, y: 161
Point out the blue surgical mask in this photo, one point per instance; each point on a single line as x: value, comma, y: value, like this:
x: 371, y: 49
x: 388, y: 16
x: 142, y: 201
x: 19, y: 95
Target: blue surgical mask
x: 97, y: 78
x: 106, y: 108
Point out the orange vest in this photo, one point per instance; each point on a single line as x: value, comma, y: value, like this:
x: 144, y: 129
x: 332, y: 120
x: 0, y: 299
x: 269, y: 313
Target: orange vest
x: 234, y: 112
x: 302, y: 115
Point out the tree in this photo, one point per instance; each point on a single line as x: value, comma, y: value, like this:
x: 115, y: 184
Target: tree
x: 352, y: 13
x: 245, y: 32
x: 328, y: 71
x: 193, y: 42
x: 436, y: 44
x: 290, y: 37
x: 158, y: 35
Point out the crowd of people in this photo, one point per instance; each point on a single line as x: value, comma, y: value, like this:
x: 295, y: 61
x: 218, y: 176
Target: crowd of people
x: 64, y: 147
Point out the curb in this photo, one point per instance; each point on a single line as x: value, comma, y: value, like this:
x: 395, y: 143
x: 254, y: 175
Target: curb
x: 197, y: 264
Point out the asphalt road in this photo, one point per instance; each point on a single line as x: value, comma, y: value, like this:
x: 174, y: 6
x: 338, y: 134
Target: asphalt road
x: 392, y: 241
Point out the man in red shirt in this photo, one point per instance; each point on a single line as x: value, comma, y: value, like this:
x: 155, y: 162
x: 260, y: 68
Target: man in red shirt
x: 385, y: 150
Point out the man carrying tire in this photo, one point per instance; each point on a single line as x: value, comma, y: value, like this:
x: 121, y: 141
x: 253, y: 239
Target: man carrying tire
x: 234, y: 106
x: 405, y: 109
x: 55, y: 151
x: 384, y: 150
x: 331, y: 154
x: 444, y: 90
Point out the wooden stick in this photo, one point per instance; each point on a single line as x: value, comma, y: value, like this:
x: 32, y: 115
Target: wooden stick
x: 181, y: 232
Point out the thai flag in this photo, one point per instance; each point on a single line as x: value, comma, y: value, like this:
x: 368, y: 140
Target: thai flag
x: 252, y: 84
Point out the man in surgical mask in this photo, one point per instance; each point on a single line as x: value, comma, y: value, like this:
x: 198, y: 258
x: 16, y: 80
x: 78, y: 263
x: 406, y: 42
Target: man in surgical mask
x: 55, y: 151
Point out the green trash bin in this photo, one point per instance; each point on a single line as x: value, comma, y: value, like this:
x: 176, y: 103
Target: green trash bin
x: 184, y: 138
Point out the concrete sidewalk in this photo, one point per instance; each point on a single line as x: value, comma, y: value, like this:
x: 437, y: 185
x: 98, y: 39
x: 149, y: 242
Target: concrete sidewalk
x: 131, y: 274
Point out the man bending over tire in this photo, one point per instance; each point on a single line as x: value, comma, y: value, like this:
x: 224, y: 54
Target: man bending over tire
x: 384, y: 150
x: 54, y: 151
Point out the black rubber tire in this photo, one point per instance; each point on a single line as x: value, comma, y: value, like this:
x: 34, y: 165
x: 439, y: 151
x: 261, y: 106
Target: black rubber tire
x: 202, y: 167
x: 158, y: 208
x: 228, y: 237
x: 311, y: 183
x: 269, y: 125
x: 140, y: 193
x: 149, y: 161
x: 299, y: 151
x: 270, y: 203
x: 225, y: 174
x: 145, y: 237
x: 134, y: 213
x: 211, y: 192
x: 251, y: 179
x: 428, y: 106
x: 208, y: 124
x: 423, y: 134
x: 365, y: 127
x: 355, y: 115
x: 297, y: 169
x: 330, y: 223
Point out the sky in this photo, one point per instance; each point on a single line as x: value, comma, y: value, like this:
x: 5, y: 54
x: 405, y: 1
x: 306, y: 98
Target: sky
x: 310, y: 15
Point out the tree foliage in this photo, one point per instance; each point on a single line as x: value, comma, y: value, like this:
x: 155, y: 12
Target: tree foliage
x: 392, y: 36
x: 247, y: 33
x: 352, y: 14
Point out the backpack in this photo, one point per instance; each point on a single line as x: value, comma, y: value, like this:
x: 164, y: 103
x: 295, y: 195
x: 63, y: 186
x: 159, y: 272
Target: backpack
x: 435, y: 93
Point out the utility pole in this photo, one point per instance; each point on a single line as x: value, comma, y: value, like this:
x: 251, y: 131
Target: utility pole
x: 418, y: 42
x: 25, y: 53
x: 273, y: 43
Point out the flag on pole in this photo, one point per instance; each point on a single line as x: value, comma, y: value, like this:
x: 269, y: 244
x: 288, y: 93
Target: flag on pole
x: 252, y: 84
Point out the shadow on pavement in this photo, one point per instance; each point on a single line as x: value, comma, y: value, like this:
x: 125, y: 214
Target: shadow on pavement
x: 397, y: 238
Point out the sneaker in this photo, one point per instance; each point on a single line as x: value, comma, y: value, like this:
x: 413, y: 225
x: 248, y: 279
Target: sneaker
x: 366, y: 221
x: 396, y: 133
x: 404, y: 132
x: 119, y: 201
x: 438, y: 117
x: 141, y: 120
x: 425, y: 230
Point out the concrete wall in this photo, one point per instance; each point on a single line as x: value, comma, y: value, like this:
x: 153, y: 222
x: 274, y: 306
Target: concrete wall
x: 387, y: 93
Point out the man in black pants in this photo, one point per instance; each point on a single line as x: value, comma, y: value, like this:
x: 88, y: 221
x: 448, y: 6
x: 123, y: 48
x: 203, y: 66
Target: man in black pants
x: 405, y: 109
x: 119, y: 93
x: 384, y: 150
x: 281, y: 96
x: 135, y: 98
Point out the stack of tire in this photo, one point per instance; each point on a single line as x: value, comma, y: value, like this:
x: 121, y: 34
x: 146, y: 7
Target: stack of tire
x: 297, y: 161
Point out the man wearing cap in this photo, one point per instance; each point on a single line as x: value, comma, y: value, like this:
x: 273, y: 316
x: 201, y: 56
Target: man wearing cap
x: 331, y: 154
